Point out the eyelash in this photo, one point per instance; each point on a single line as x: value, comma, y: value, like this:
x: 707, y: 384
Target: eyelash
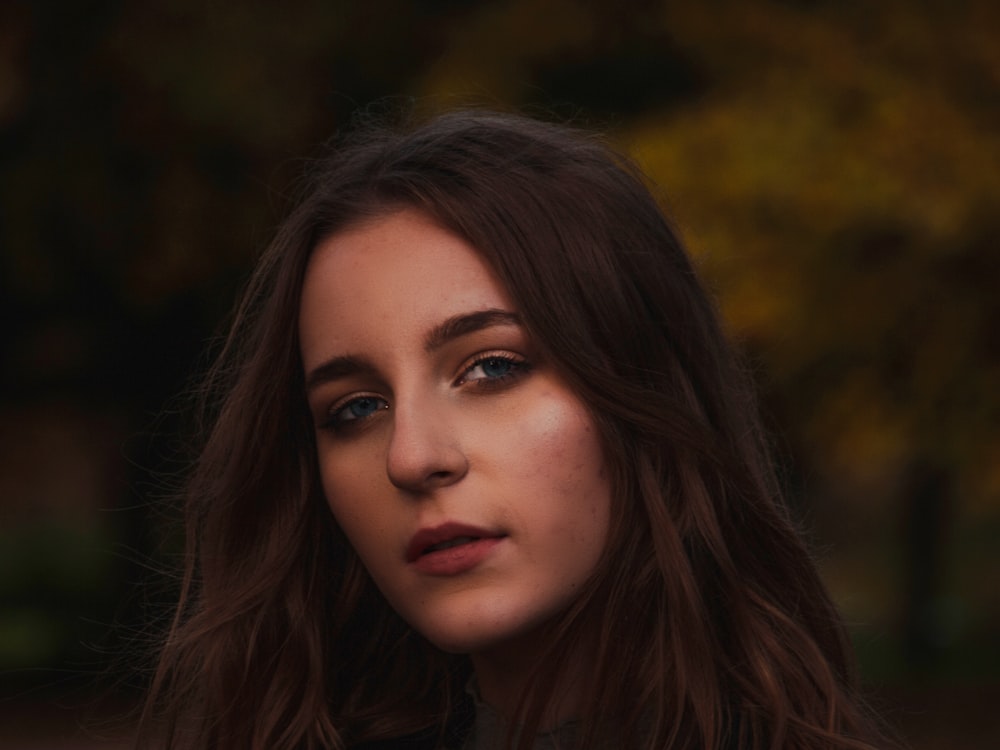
x: 518, y: 368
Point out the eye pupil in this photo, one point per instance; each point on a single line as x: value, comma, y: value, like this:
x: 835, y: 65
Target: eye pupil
x: 363, y: 407
x: 496, y: 367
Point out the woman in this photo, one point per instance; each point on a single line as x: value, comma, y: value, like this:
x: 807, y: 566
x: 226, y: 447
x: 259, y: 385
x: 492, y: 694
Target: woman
x: 481, y: 470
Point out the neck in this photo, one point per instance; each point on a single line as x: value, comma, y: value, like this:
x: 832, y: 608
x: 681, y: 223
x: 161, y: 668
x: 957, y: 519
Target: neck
x: 503, y: 673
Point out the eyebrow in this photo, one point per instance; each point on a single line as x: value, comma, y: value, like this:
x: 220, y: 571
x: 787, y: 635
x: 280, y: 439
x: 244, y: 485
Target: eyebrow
x: 335, y: 369
x: 448, y: 330
x: 462, y: 325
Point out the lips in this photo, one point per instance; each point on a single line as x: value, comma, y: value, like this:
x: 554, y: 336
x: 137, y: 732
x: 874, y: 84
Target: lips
x: 451, y: 549
x: 445, y: 537
x: 451, y: 543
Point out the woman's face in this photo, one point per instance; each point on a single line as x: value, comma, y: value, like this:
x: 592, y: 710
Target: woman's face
x: 468, y: 477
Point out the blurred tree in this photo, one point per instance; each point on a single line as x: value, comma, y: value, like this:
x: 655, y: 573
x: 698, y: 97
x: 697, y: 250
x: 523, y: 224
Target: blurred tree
x: 831, y: 163
x: 837, y: 191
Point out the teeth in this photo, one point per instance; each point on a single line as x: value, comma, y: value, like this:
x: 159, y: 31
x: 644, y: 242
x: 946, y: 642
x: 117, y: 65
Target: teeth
x: 450, y: 543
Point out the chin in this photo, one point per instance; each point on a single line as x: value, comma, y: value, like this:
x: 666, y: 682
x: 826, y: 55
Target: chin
x: 464, y: 635
x: 465, y: 639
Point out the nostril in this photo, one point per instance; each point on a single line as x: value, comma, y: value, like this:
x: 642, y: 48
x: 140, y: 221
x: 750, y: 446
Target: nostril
x: 441, y: 477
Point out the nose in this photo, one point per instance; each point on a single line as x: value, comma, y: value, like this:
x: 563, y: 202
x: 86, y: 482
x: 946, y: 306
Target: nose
x: 425, y: 450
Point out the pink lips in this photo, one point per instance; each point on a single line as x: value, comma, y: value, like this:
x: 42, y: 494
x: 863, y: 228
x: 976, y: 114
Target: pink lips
x: 450, y: 549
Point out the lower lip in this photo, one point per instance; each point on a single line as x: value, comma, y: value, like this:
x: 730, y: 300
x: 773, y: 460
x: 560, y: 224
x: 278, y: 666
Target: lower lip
x: 456, y: 560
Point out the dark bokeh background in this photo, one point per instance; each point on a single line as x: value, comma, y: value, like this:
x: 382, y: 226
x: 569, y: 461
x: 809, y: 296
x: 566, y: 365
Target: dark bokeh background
x: 833, y: 166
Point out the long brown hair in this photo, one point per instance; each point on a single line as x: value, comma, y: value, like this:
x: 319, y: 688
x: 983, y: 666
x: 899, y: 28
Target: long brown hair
x: 708, y: 625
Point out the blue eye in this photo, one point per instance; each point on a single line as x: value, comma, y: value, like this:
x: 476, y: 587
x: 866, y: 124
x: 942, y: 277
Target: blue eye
x: 493, y: 368
x: 358, y: 408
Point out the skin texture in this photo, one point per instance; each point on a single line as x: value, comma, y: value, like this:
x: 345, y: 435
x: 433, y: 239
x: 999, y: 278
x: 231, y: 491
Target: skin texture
x: 475, y: 429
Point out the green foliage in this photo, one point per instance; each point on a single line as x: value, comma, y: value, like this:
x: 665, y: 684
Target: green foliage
x: 53, y: 583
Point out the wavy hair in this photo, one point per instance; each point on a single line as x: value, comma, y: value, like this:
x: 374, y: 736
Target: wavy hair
x: 707, y: 624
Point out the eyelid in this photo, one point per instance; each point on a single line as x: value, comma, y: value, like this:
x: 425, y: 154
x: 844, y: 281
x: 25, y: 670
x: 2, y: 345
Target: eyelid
x: 343, y: 401
x: 519, y: 361
x: 328, y: 417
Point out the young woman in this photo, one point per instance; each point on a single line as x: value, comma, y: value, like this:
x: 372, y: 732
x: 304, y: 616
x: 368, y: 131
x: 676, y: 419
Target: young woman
x: 481, y: 471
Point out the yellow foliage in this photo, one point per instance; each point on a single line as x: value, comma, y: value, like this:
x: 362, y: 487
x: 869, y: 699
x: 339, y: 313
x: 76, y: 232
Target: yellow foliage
x: 839, y: 157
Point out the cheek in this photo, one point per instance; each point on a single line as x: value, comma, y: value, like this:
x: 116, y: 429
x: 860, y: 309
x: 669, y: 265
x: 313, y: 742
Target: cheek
x: 351, y: 494
x: 563, y: 462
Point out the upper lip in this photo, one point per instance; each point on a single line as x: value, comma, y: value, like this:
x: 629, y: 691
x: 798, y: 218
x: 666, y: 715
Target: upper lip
x: 425, y: 538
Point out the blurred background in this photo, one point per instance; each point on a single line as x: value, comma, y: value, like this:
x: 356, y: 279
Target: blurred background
x: 832, y: 165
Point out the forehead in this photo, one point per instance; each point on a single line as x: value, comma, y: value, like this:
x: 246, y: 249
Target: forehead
x: 397, y: 275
